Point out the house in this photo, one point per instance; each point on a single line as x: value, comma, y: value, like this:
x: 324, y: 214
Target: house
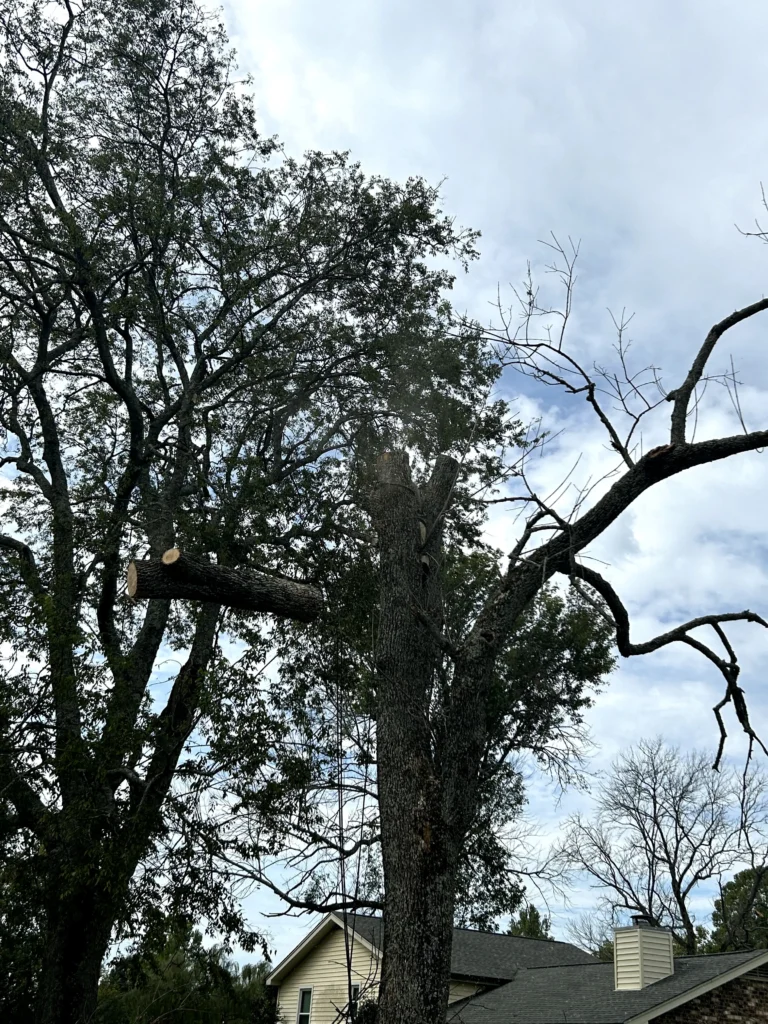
x: 505, y: 979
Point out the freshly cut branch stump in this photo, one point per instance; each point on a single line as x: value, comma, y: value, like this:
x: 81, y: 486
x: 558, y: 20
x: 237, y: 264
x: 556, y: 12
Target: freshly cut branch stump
x: 188, y: 577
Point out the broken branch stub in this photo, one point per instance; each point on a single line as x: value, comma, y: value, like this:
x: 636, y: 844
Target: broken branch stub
x: 187, y: 577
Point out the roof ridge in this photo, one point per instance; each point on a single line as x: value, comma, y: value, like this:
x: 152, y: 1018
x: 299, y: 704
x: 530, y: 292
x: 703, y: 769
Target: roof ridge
x: 477, y: 931
x: 589, y: 963
x: 505, y: 935
x: 726, y: 952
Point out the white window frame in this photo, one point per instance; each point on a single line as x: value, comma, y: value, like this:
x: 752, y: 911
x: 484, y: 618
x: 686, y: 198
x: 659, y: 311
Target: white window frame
x: 355, y: 988
x: 299, y: 1014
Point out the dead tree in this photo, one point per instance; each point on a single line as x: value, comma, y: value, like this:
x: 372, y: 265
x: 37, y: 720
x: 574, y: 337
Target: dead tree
x: 663, y: 826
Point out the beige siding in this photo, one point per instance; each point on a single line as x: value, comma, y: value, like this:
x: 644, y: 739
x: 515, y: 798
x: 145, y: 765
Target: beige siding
x: 641, y: 956
x: 626, y: 960
x: 324, y: 970
x: 462, y: 989
x: 657, y: 955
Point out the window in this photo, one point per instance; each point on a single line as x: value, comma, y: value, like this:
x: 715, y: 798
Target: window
x: 354, y: 1001
x: 305, y: 1006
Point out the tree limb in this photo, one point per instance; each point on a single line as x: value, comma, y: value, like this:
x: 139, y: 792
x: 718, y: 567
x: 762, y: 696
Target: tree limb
x: 27, y: 565
x: 178, y: 575
x: 682, y: 396
x: 729, y: 669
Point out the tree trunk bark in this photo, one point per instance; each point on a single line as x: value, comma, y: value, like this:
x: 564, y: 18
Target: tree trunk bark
x: 418, y: 932
x: 79, y: 925
x: 178, y: 575
x: 91, y: 869
x: 419, y: 847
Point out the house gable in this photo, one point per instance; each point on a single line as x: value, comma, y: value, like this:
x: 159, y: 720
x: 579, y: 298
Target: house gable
x: 323, y: 969
x: 319, y: 963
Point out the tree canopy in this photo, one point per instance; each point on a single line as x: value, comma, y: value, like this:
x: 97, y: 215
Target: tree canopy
x: 202, y: 341
x: 185, y: 981
x: 740, y: 915
x: 556, y: 662
x: 210, y: 348
x: 530, y: 924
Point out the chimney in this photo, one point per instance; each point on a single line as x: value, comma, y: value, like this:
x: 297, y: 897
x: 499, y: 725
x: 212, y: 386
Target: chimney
x: 642, y: 954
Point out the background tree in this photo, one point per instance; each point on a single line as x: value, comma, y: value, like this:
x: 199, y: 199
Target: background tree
x: 531, y: 925
x: 195, y: 334
x: 593, y: 932
x: 188, y: 982
x: 740, y: 917
x: 664, y: 825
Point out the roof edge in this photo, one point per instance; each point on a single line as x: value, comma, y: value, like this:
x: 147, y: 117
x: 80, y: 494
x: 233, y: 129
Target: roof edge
x: 298, y: 952
x: 308, y: 943
x: 648, y: 1015
x: 355, y: 934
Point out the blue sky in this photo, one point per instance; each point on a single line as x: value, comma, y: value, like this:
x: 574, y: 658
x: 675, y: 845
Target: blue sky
x: 640, y: 130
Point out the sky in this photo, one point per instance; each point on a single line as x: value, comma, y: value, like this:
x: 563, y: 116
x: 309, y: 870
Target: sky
x: 640, y: 131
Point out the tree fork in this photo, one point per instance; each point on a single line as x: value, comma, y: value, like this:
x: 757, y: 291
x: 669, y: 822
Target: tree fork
x: 181, y: 576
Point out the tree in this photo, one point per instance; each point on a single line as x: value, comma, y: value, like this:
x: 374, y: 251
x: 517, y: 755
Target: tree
x: 327, y: 843
x: 205, y: 352
x: 195, y: 334
x: 431, y: 740
x: 187, y: 982
x: 531, y: 924
x: 593, y: 932
x: 664, y: 825
x: 740, y: 917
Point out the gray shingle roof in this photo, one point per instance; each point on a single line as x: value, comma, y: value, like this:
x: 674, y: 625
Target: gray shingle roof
x: 488, y: 955
x: 585, y: 994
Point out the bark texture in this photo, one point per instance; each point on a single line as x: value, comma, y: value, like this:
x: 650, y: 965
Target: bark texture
x: 420, y: 848
x: 91, y: 864
x: 79, y: 925
x: 179, y: 575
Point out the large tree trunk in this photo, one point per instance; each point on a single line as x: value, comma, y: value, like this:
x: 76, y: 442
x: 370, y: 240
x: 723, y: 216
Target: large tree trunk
x: 79, y: 924
x: 90, y: 870
x: 417, y: 935
x: 419, y: 847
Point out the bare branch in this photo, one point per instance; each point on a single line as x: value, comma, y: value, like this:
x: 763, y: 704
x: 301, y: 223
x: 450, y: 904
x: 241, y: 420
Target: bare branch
x: 680, y: 634
x: 682, y: 396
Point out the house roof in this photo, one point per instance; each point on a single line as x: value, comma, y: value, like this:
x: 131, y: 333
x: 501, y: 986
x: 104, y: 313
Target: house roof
x: 481, y: 956
x: 585, y: 994
x: 543, y: 982
x: 308, y: 943
x: 487, y: 955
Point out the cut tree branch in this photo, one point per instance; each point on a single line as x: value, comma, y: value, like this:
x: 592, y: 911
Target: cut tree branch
x: 180, y: 576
